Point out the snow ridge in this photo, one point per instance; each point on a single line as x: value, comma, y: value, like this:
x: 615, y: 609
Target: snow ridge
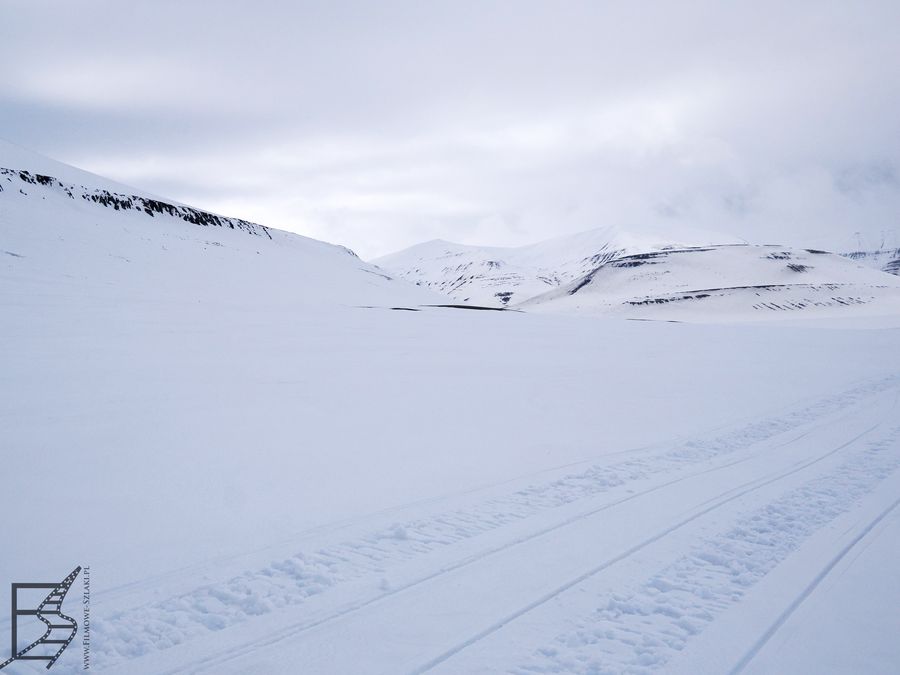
x: 123, y: 202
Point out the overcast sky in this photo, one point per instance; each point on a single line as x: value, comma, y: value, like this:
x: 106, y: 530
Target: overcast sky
x: 382, y: 124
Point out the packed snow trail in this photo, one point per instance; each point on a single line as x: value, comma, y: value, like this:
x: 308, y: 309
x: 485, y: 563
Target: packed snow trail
x: 643, y: 629
x: 297, y: 579
x: 839, y: 622
x: 605, y: 619
x: 399, y: 567
x: 811, y: 588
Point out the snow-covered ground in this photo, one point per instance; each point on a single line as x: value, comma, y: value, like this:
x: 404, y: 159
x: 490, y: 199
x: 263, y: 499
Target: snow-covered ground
x: 271, y: 466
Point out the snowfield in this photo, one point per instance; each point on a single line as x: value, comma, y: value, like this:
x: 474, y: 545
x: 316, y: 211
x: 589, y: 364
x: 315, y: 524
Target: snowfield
x: 277, y: 458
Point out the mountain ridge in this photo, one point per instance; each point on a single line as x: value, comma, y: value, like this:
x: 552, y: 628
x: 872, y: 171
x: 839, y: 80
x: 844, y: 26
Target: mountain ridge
x: 501, y: 276
x: 55, y: 217
x: 624, y: 276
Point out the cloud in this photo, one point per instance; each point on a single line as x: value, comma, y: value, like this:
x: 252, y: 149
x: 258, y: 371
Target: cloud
x: 379, y: 125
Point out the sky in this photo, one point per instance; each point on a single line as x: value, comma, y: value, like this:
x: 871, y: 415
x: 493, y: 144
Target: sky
x: 379, y: 125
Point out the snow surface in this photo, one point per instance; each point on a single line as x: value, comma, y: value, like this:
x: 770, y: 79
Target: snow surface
x: 271, y: 470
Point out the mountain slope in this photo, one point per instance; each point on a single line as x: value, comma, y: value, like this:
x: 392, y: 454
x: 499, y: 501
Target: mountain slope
x: 886, y: 259
x: 606, y: 272
x: 496, y: 276
x: 737, y: 282
x: 16, y: 157
x: 71, y: 224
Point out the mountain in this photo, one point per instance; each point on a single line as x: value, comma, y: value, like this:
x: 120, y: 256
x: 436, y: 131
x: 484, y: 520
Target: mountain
x: 16, y: 157
x: 60, y: 222
x: 606, y: 272
x: 881, y: 251
x: 884, y: 259
x: 499, y: 277
x: 736, y: 282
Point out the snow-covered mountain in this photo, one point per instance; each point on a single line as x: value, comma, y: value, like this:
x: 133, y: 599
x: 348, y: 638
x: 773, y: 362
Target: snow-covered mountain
x: 885, y: 259
x: 59, y: 221
x: 720, y: 283
x: 498, y: 277
x: 881, y: 252
x: 605, y: 272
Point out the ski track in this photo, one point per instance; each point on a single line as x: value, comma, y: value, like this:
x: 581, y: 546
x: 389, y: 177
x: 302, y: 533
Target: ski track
x: 639, y: 632
x: 289, y: 582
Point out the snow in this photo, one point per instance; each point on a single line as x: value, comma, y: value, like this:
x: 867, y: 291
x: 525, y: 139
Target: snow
x: 607, y: 272
x: 884, y: 259
x: 269, y: 469
x: 496, y: 277
x: 727, y: 283
x: 13, y: 156
x: 850, y: 619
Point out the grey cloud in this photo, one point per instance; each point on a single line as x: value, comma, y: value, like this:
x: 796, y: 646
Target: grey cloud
x: 379, y: 125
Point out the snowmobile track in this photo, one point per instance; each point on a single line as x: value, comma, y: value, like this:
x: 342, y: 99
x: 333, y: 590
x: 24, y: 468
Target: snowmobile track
x: 745, y: 489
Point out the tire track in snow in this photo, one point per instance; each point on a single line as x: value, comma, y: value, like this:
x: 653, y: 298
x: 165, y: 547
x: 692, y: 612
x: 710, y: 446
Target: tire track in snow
x: 291, y: 581
x: 333, y: 526
x: 800, y: 599
x: 724, y: 431
x: 811, y: 411
x: 743, y: 490
x: 641, y: 631
x: 309, y: 625
x: 729, y: 495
